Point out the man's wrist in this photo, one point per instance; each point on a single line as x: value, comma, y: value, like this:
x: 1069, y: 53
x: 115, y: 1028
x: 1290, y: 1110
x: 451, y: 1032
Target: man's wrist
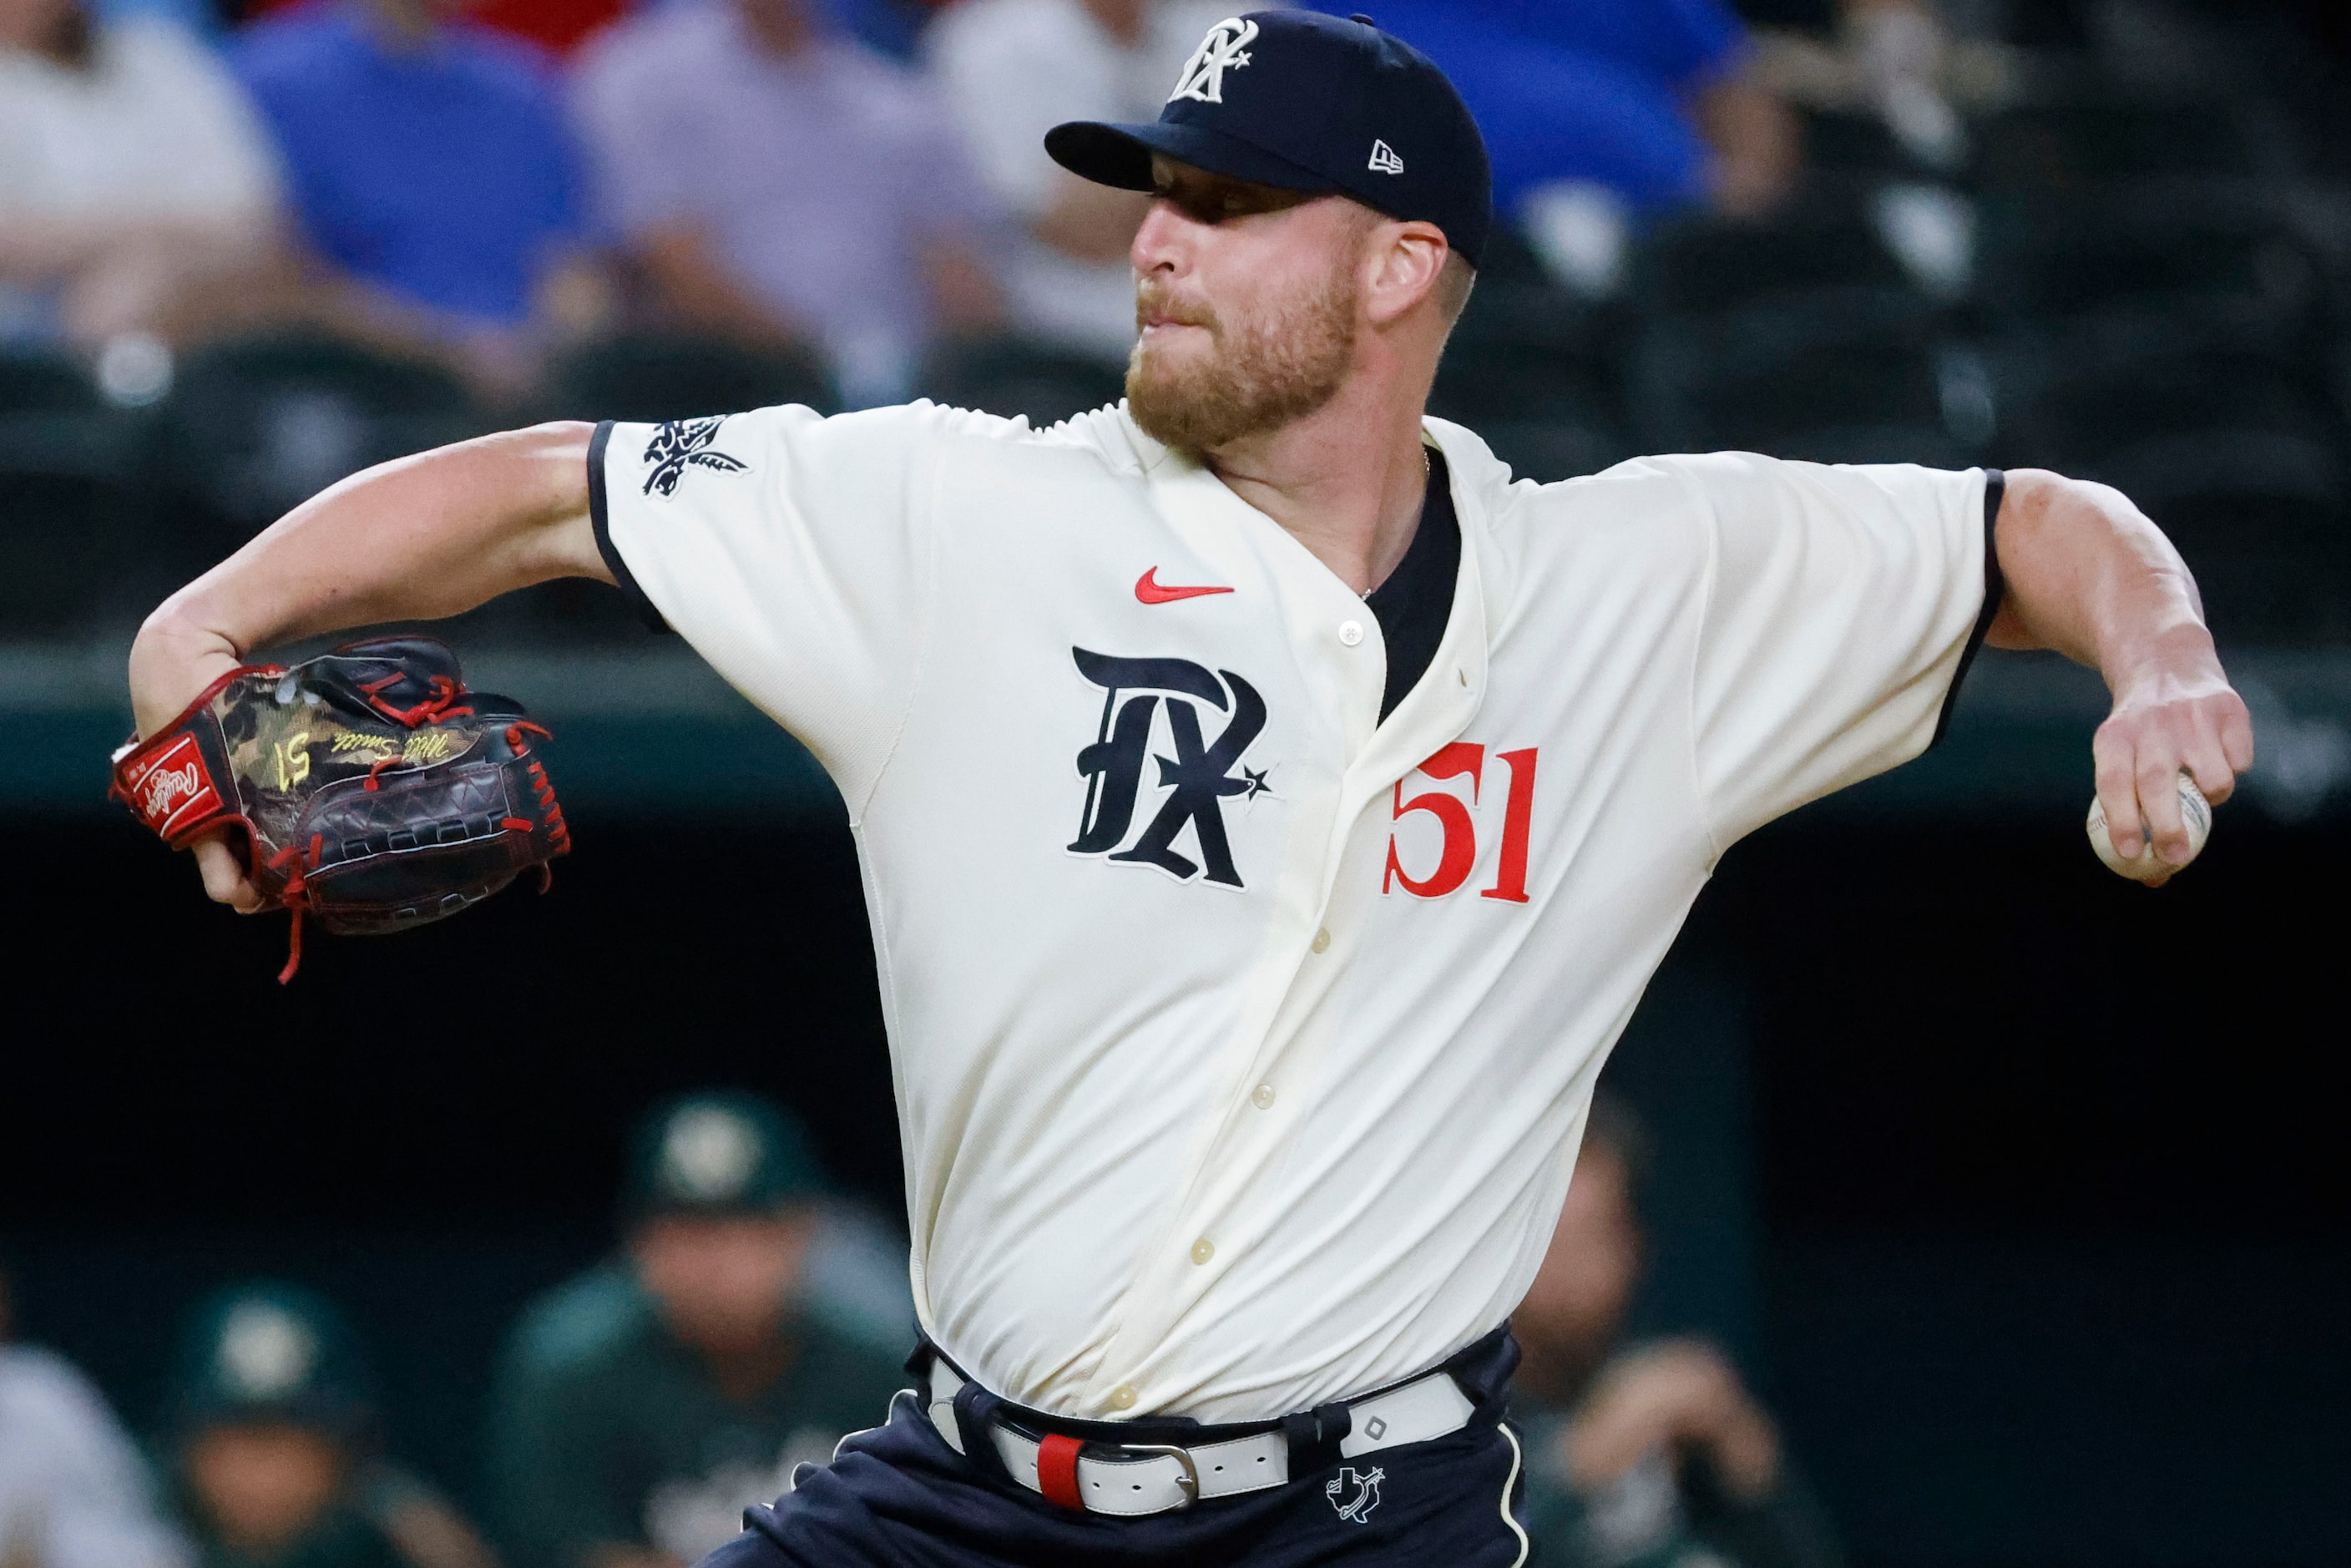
x: 2177, y: 651
x: 173, y: 660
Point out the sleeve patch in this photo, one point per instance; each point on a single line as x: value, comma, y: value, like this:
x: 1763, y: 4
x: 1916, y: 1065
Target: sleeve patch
x: 683, y: 444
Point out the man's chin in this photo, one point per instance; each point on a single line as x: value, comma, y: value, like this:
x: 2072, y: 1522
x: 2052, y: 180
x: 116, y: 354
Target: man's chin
x: 1168, y: 406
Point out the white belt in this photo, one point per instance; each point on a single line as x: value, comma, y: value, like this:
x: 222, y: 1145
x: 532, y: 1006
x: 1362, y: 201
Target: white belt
x: 1164, y: 1477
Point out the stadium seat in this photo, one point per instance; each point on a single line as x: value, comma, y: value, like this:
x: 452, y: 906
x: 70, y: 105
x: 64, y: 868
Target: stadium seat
x: 1848, y: 141
x: 1481, y: 379
x: 1533, y: 369
x: 255, y: 425
x: 1013, y: 376
x: 1874, y: 385
x: 35, y: 382
x: 1551, y: 449
x: 2245, y: 460
x: 1546, y: 409
x: 2086, y: 412
x: 569, y: 610
x: 656, y: 376
x: 2100, y: 140
x: 1824, y: 246
x: 77, y: 525
x: 2264, y: 523
x: 2153, y: 258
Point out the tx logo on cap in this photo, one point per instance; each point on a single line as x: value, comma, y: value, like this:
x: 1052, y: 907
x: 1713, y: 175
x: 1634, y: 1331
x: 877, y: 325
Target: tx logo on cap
x: 1203, y: 77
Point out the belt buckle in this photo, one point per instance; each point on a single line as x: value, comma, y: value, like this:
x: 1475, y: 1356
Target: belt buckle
x: 1189, y: 1481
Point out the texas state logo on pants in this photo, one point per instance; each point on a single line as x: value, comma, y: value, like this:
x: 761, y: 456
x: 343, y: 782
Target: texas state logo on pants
x: 1354, y: 1493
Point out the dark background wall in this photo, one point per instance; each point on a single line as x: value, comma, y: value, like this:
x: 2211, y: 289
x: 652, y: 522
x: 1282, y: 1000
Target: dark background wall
x: 2019, y: 1188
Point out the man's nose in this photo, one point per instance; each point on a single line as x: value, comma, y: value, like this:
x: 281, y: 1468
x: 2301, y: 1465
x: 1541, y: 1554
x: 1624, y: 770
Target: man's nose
x: 1160, y: 242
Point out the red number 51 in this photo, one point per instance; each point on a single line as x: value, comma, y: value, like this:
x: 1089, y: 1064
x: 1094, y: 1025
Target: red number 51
x: 1460, y: 852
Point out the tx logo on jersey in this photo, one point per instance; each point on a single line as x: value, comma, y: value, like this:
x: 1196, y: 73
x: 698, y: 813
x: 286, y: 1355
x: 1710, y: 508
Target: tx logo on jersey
x: 1355, y: 1493
x: 1198, y: 779
x: 1203, y: 76
x: 682, y: 442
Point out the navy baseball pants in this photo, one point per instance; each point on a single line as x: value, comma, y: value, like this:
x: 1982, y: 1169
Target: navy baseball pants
x: 899, y: 1497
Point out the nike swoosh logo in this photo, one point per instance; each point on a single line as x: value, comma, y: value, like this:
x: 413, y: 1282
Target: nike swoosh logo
x: 1147, y: 588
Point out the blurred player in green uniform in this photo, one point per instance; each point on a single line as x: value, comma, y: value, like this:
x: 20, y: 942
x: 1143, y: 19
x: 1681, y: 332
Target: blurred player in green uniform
x: 646, y: 1404
x: 1641, y: 1455
x: 274, y: 1447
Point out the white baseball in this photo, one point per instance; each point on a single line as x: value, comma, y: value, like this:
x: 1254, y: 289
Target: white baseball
x: 2194, y: 810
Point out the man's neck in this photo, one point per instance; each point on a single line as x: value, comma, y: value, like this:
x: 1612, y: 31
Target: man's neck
x: 1347, y: 481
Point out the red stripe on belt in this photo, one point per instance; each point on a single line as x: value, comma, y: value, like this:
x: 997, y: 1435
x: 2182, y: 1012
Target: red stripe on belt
x: 1057, y: 1470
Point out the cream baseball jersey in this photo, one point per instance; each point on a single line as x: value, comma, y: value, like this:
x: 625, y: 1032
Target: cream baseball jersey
x: 1242, y: 1040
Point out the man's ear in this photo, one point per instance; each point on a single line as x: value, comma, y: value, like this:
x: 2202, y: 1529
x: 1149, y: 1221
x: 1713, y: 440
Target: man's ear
x: 1403, y: 266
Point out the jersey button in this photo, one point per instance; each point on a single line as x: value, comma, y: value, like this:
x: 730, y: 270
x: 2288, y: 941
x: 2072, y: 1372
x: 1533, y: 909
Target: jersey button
x: 1351, y: 632
x: 1322, y: 940
x: 1262, y: 1097
x: 1122, y: 1396
x: 1203, y: 1250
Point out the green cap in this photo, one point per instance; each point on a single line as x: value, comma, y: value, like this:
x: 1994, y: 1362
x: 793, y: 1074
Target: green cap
x: 720, y: 1151
x: 271, y: 1352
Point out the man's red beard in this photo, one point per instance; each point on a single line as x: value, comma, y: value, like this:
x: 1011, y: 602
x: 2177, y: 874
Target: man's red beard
x: 1284, y: 364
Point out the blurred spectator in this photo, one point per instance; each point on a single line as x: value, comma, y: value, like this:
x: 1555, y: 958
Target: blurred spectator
x: 431, y: 177
x: 1896, y: 59
x: 773, y: 180
x: 273, y: 1434
x: 134, y: 179
x: 1652, y: 100
x: 1013, y: 69
x: 644, y: 1406
x: 560, y: 26
x: 73, y: 1493
x: 1652, y: 1454
x: 198, y: 18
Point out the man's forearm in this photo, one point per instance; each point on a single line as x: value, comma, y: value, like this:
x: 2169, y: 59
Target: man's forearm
x: 419, y: 538
x: 2088, y: 574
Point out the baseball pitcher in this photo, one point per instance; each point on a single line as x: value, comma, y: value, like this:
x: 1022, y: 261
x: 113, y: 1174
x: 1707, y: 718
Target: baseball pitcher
x: 1269, y: 812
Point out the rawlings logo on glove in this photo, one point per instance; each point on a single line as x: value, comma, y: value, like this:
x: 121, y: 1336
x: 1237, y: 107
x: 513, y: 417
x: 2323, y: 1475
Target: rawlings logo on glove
x: 372, y: 791
x: 171, y: 784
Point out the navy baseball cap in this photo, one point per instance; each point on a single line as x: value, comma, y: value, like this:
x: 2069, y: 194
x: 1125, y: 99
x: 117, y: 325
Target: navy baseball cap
x: 1307, y: 102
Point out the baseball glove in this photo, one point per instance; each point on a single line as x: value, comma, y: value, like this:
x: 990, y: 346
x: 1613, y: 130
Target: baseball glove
x: 371, y: 789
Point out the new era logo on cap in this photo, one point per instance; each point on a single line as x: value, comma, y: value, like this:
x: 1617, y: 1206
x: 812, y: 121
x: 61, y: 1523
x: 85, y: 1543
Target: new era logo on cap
x: 1384, y: 159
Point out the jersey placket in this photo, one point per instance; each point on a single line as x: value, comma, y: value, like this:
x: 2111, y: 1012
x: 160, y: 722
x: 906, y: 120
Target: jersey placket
x: 1287, y: 1023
